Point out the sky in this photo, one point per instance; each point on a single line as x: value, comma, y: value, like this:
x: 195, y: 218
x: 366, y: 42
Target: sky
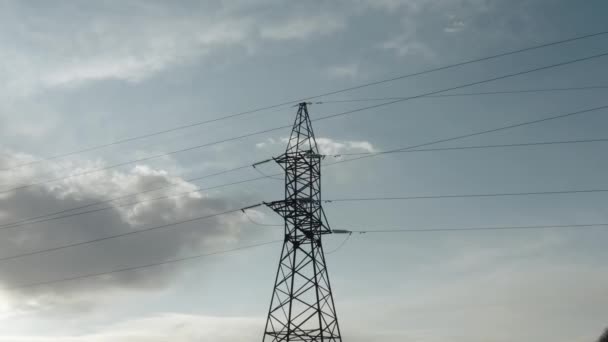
x: 81, y: 74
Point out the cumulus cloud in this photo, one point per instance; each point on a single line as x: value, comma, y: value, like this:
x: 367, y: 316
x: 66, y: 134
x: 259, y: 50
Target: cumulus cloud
x: 326, y: 146
x: 122, y: 216
x: 330, y: 146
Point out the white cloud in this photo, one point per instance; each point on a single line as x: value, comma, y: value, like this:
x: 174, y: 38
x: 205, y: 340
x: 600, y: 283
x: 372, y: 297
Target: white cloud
x: 303, y: 27
x: 333, y: 147
x: 114, y: 48
x: 149, y: 53
x: 344, y: 71
x: 137, y: 43
x: 326, y: 146
x: 267, y: 143
x: 454, y: 26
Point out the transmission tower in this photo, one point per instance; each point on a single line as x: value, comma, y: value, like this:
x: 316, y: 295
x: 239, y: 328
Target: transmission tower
x: 302, y: 305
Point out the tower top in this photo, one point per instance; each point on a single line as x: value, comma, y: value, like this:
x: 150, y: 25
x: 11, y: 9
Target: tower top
x: 302, y: 137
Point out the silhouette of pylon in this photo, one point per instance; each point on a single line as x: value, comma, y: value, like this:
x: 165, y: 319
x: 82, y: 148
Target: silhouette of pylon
x: 302, y: 305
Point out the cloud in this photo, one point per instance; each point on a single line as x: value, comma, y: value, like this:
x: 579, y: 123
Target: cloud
x: 395, y: 5
x: 153, y: 52
x: 330, y: 146
x: 344, y: 71
x: 126, y: 47
x: 123, y: 216
x: 303, y: 27
x: 69, y: 46
x: 454, y: 26
x: 604, y: 337
x: 404, y: 45
x: 326, y: 146
x: 181, y: 328
x: 270, y: 142
x: 424, y: 21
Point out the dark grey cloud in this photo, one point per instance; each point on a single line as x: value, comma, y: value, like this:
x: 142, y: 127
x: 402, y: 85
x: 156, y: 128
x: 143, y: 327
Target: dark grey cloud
x: 604, y: 337
x: 195, y: 237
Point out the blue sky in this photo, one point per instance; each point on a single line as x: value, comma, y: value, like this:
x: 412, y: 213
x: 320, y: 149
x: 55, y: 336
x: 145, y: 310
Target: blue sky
x: 82, y: 74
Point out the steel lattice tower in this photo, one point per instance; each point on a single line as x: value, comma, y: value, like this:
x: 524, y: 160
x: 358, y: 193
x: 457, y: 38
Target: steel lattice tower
x: 302, y: 305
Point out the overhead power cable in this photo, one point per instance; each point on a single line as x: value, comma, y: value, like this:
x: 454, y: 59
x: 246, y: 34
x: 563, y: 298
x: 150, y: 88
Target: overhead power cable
x: 475, y: 147
x: 255, y: 167
x: 247, y: 112
x: 41, y: 218
x: 114, y: 199
x: 502, y: 128
x: 134, y: 268
x: 115, y: 236
x: 113, y: 166
x: 177, y: 195
x: 198, y: 256
x: 399, y: 150
x: 405, y: 148
x: 341, y: 244
x: 424, y: 230
x: 505, y: 194
x: 325, y: 201
x: 317, y: 119
x: 545, y: 90
x: 250, y: 219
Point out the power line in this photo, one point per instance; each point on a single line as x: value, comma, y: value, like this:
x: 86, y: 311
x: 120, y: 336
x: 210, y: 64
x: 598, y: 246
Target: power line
x: 506, y: 194
x: 90, y: 275
x: 110, y: 237
x: 341, y: 244
x: 561, y: 142
x: 317, y: 119
x: 250, y: 219
x: 326, y: 201
x: 399, y: 150
x: 383, y: 231
x: 469, y: 94
x: 142, y: 159
x: 40, y: 218
x: 52, y: 217
x: 27, y: 220
x: 349, y: 160
x: 403, y: 99
x: 399, y: 230
x: 412, y: 147
x: 521, y: 124
x: 126, y: 269
x: 37, y: 219
x: 449, y: 66
x: 264, y: 174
